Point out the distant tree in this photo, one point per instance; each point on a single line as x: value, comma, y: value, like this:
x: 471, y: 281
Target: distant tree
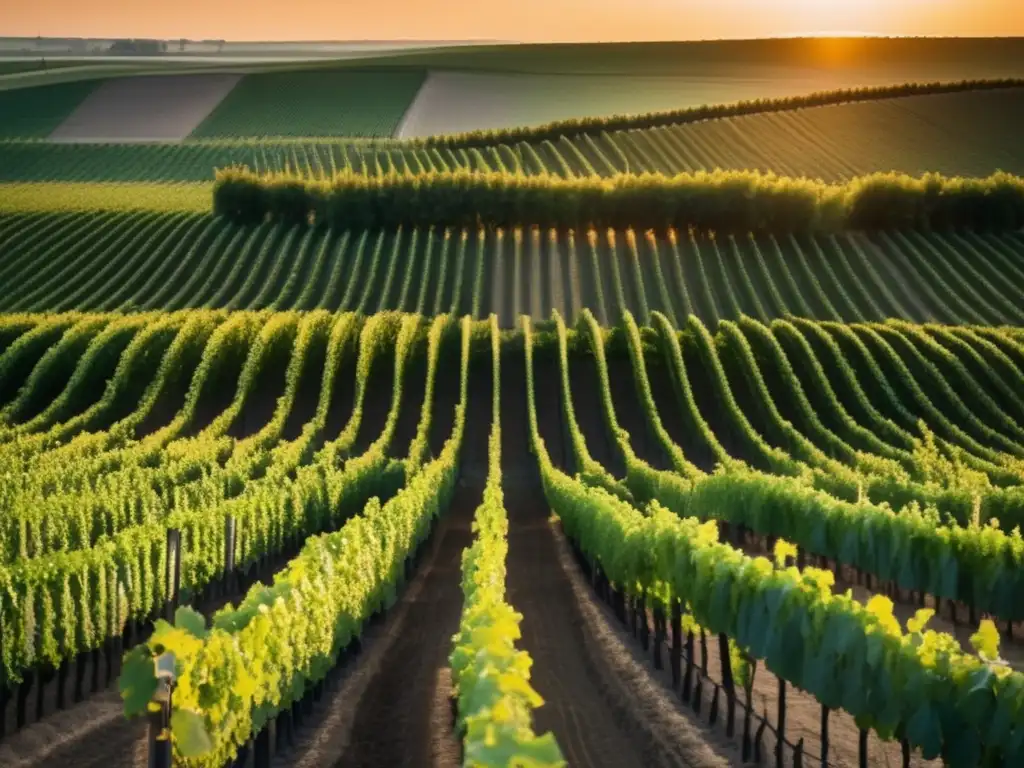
x: 181, y: 44
x: 220, y: 46
x: 138, y: 47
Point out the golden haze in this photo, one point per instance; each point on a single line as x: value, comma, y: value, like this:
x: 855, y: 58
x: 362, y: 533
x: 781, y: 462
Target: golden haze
x: 527, y: 20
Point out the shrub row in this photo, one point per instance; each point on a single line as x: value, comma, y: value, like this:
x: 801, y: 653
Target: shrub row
x: 718, y: 201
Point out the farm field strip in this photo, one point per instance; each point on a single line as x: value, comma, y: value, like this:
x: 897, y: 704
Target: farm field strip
x: 141, y: 260
x: 358, y: 103
x: 452, y: 102
x: 633, y: 554
x: 43, y: 426
x: 162, y: 108
x: 261, y: 480
x: 911, y: 134
x: 665, y: 452
x: 358, y: 570
x: 231, y: 427
x: 36, y: 112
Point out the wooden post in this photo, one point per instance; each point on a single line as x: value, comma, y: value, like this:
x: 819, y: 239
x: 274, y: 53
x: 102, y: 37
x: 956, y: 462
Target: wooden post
x: 703, y: 652
x: 94, y: 659
x: 781, y: 740
x: 798, y: 754
x: 688, y: 680
x: 824, y: 736
x: 261, y: 751
x: 759, y: 739
x: 173, y: 581
x: 45, y: 677
x: 159, y: 745
x: 24, y: 688
x: 677, y: 643
x: 80, y: 663
x: 905, y: 746
x: 728, y: 684
x: 645, y: 629
x: 659, y: 635
x: 863, y: 750
x: 748, y: 715
x: 62, y: 682
x: 5, y: 695
x: 230, y: 529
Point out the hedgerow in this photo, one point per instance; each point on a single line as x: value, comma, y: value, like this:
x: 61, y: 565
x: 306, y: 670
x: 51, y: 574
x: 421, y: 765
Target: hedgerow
x: 719, y: 201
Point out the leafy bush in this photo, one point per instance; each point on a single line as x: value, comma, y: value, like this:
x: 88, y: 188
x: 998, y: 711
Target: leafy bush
x: 718, y: 201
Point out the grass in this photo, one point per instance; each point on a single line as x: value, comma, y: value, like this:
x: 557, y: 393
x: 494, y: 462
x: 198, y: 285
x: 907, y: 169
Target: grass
x: 56, y: 196
x: 36, y: 112
x: 34, y: 65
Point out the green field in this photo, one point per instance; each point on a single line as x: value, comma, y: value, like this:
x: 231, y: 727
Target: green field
x: 18, y: 67
x: 35, y: 112
x: 339, y: 103
x: 153, y: 260
x: 914, y: 135
x: 365, y: 487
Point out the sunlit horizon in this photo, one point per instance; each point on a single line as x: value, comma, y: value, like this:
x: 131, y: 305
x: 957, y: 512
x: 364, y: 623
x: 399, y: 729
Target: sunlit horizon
x: 521, y: 21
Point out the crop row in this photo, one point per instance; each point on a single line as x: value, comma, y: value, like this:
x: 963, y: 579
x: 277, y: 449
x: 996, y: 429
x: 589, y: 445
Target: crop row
x: 138, y: 260
x: 911, y: 135
x: 234, y: 437
x: 283, y: 639
x: 926, y: 415
x: 491, y: 676
x: 910, y: 407
x: 917, y: 685
x: 946, y: 553
x: 92, y: 551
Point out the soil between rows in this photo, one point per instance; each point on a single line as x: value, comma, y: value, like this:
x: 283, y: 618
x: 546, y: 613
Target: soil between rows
x: 587, y: 729
x: 404, y: 718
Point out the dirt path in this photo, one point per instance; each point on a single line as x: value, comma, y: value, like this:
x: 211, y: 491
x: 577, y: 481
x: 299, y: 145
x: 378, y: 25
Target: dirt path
x: 598, y: 705
x: 91, y: 734
x: 404, y: 718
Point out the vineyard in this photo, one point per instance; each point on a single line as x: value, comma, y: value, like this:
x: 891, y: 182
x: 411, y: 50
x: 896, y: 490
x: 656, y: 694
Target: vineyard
x: 913, y: 134
x: 690, y: 438
x: 153, y: 260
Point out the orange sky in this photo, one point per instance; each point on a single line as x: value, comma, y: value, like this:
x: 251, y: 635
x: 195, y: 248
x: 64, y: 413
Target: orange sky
x: 533, y: 20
